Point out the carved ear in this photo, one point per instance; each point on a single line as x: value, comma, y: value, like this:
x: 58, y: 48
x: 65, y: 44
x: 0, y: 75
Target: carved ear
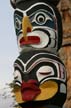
x: 54, y: 2
x: 13, y: 3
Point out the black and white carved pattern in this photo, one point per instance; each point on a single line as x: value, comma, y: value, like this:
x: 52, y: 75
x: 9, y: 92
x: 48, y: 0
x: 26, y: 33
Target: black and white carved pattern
x: 44, y: 22
x: 42, y: 66
x: 15, y: 2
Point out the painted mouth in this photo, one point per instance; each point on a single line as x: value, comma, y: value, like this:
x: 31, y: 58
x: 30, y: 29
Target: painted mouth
x: 29, y: 90
x: 29, y: 40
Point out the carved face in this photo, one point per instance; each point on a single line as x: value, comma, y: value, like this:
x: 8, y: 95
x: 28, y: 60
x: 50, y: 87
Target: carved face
x: 40, y: 78
x: 36, y: 26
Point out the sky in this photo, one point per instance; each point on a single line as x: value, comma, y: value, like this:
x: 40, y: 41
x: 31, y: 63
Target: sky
x: 8, y: 43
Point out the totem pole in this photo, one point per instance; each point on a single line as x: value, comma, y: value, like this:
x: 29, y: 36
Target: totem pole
x: 39, y: 74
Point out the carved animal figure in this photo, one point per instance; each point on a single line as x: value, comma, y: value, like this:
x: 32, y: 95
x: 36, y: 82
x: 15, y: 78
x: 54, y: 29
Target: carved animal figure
x: 37, y: 24
x: 40, y: 80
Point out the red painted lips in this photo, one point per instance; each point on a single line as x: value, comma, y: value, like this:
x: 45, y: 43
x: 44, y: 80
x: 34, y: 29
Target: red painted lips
x: 29, y: 90
x: 29, y: 40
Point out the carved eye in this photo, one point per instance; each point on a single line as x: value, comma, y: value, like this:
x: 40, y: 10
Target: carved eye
x: 41, y: 18
x: 17, y: 23
x: 44, y: 72
x: 17, y: 77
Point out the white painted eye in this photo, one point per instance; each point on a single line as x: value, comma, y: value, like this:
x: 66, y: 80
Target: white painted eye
x: 17, y: 77
x: 44, y: 72
x: 41, y: 18
x: 17, y: 23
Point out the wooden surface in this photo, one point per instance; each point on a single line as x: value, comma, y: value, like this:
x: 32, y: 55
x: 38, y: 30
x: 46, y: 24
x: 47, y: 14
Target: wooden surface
x: 65, y: 51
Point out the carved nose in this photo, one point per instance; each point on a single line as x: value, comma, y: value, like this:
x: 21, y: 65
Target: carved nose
x: 26, y: 26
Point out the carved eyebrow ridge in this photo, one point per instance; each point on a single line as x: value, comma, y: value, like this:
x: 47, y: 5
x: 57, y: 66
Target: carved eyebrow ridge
x: 39, y: 7
x: 34, y: 7
x: 18, y: 12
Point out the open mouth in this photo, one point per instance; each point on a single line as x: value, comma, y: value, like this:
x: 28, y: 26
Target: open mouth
x: 29, y: 40
x: 29, y: 90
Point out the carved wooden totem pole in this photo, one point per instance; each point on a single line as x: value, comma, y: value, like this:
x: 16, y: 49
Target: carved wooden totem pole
x: 39, y: 74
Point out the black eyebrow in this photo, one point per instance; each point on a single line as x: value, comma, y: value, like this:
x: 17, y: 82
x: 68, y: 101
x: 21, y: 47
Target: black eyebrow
x: 18, y: 12
x: 37, y: 7
x: 40, y: 56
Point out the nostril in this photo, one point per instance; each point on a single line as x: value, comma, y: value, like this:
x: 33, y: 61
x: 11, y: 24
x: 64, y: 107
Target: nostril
x: 28, y: 29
